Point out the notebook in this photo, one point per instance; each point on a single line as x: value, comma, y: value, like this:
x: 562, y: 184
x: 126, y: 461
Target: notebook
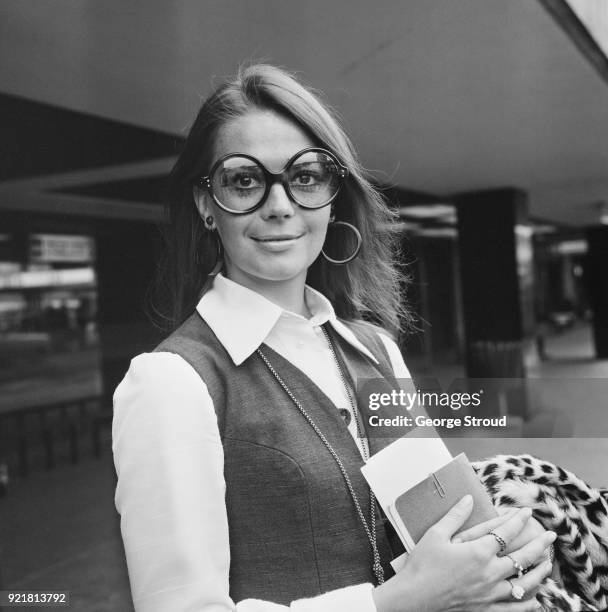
x: 421, y: 506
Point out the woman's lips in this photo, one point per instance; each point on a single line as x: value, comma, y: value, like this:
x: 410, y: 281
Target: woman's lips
x: 276, y: 243
x: 277, y: 237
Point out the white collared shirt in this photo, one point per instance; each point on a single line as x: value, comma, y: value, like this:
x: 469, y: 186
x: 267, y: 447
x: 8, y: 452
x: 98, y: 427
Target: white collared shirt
x: 169, y: 456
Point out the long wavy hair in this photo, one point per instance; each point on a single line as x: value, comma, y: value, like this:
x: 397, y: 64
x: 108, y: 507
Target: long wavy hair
x: 369, y: 287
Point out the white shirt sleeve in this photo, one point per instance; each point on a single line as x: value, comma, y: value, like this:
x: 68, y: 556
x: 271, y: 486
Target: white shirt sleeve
x: 171, y: 496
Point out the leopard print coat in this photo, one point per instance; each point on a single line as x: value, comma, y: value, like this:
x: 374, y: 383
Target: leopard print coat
x: 563, y: 503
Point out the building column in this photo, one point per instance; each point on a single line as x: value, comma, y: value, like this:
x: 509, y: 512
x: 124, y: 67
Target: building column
x: 596, y: 272
x: 496, y: 269
x: 126, y: 261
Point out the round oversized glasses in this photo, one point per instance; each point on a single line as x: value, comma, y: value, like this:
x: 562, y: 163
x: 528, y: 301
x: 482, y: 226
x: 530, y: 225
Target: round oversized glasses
x: 240, y: 184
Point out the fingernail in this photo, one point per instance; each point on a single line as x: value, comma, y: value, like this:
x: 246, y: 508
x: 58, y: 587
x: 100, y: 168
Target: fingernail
x: 456, y: 541
x: 526, y: 512
x: 551, y: 536
x: 512, y: 512
x: 467, y: 500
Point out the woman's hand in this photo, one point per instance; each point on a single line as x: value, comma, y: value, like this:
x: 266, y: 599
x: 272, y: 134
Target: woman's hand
x: 441, y: 575
x: 531, y: 529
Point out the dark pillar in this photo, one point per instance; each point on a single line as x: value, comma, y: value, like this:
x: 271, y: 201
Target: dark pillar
x: 596, y: 272
x: 127, y: 254
x: 497, y: 281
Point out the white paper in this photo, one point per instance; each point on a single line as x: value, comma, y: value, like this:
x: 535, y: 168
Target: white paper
x: 398, y: 563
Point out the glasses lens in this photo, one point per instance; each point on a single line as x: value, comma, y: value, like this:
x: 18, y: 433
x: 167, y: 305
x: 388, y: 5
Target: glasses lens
x: 313, y: 179
x: 238, y: 183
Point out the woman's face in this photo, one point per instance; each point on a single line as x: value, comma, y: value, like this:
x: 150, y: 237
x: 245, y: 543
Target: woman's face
x: 278, y: 241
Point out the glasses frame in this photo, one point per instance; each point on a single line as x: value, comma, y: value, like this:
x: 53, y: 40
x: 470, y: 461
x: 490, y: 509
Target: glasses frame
x: 272, y: 178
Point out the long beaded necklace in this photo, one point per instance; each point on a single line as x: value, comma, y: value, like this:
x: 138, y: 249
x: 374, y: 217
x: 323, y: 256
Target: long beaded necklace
x: 370, y: 529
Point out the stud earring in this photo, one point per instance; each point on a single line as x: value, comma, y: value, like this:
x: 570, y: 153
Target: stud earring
x: 209, y: 222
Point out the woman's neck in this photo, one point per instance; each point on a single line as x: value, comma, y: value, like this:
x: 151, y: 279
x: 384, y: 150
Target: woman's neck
x: 288, y: 294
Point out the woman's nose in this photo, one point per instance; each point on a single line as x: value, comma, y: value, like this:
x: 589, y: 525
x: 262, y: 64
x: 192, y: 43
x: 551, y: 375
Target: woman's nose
x: 278, y: 203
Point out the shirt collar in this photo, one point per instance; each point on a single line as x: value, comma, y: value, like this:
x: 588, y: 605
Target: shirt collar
x: 242, y: 319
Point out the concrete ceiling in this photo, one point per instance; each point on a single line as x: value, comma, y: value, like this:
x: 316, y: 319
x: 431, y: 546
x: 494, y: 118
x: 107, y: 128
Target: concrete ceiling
x: 440, y: 96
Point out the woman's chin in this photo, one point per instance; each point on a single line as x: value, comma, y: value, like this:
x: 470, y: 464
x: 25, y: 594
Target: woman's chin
x: 282, y: 264
x: 275, y: 272
x: 282, y: 273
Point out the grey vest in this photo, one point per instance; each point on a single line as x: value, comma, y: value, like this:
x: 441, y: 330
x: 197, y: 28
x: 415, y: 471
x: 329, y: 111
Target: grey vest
x: 294, y: 531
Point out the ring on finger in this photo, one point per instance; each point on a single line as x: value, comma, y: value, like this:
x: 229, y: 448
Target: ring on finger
x: 501, y: 543
x: 517, y: 591
x: 519, y: 568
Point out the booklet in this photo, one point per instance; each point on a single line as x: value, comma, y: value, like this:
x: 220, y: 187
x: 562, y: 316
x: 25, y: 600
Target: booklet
x: 416, y: 481
x: 424, y: 504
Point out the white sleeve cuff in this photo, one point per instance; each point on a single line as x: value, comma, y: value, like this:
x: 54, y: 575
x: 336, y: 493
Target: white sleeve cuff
x: 356, y: 598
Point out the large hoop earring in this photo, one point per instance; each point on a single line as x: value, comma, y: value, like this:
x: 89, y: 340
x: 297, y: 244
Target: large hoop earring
x: 339, y: 262
x: 219, y: 258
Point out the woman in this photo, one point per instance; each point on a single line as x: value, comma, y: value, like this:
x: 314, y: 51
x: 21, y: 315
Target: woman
x: 237, y: 442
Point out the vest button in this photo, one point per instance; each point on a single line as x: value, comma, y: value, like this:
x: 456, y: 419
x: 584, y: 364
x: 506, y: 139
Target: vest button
x: 345, y: 414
